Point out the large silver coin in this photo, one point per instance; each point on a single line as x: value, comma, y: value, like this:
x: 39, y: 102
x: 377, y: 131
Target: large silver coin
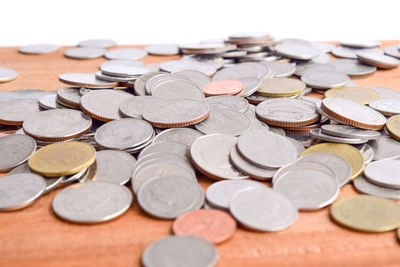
x: 174, y: 251
x: 196, y: 77
x: 178, y: 65
x: 114, y: 166
x: 123, y: 134
x: 366, y: 187
x: 224, y: 121
x: 281, y: 69
x: 123, y: 70
x: 384, y: 173
x: 385, y: 92
x: 210, y: 155
x: 388, y: 107
x: 271, y: 211
x: 101, y: 43
x: 39, y: 49
x: 140, y: 83
x: 87, y: 80
x: 266, y: 149
x: 169, y: 196
x: 122, y: 62
x: 84, y: 52
x: 161, y: 78
x: 347, y: 131
x: 57, y: 124
x: 165, y: 147
x: 19, y: 190
x: 302, y: 68
x: 221, y: 102
x: 92, y: 202
x: 385, y: 148
x: 126, y: 53
x: 296, y: 51
x: 392, y: 51
x: 318, y: 134
x: 69, y: 96
x: 177, y: 89
x: 325, y: 79
x: 14, y: 150
x: 7, y: 74
x: 15, y: 111
x: 185, y: 136
x: 251, y: 85
x: 352, y: 67
x: 49, y: 102
x: 162, y: 50
x: 378, y: 60
x: 133, y: 107
x: 163, y: 156
x: 360, y: 44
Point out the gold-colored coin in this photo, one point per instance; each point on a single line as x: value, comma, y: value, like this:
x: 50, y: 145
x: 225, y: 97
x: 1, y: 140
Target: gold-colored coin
x: 367, y: 213
x: 360, y: 95
x: 63, y: 158
x: 393, y: 126
x: 351, y: 154
x: 281, y: 87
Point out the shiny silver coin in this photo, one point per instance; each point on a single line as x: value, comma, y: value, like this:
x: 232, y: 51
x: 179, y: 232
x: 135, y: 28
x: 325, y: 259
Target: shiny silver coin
x: 388, y: 107
x: 378, y: 60
x: 347, y: 131
x: 271, y: 210
x: 296, y: 51
x: 210, y: 155
x: 352, y: 83
x: 177, y: 89
x: 100, y: 43
x: 92, y: 202
x: 20, y: 190
x: 69, y: 96
x: 196, y: 77
x: 185, y: 136
x: 176, y: 250
x: 14, y: 150
x: 165, y: 147
x: 325, y: 79
x: 111, y: 78
x: 266, y: 149
x: 206, y: 49
x: 133, y: 107
x: 254, y: 56
x: 169, y: 196
x: 221, y: 102
x: 323, y: 47
x: 385, y: 92
x: 385, y: 148
x: 140, y: 83
x: 281, y: 69
x: 224, y: 121
x: 277, y: 130
x: 114, y: 166
x: 178, y: 65
x: 87, y: 80
x: 367, y: 152
x: 49, y: 102
x: 321, y: 58
x: 7, y: 74
x: 162, y: 50
x: 84, y: 52
x: 251, y: 85
x: 163, y: 156
x: 126, y: 53
x: 366, y: 187
x: 123, y: 134
x: 360, y: 44
x: 123, y: 62
x: 348, y: 52
x: 15, y: 111
x: 392, y: 51
x: 123, y: 70
x: 352, y: 67
x: 103, y: 104
x: 39, y: 49
x: 384, y: 173
x: 317, y: 133
x: 304, y: 67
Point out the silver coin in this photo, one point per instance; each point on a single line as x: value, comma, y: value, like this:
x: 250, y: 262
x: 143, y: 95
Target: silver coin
x: 69, y: 96
x: 75, y: 177
x: 347, y: 131
x: 165, y: 147
x: 111, y: 78
x: 210, y: 155
x: 176, y: 251
x: 169, y: 196
x: 379, y: 60
x: 366, y: 187
x: 299, y: 146
x: 140, y: 83
x: 162, y: 50
x: 352, y: 67
x: 114, y: 166
x: 153, y: 67
x: 178, y: 65
x: 266, y: 149
x: 235, y: 102
x: 219, y: 194
x: 214, y: 60
x: 19, y: 190
x: 385, y: 92
x: 126, y: 53
x: 360, y: 44
x: 85, y: 52
x: 348, y: 52
x: 7, y: 74
x: 271, y: 211
x: 325, y: 79
x: 385, y: 148
x: 388, y: 107
x: 196, y: 77
x: 251, y: 112
x: 123, y: 70
x: 123, y: 134
x: 384, y: 173
x: 392, y: 51
x: 302, y: 68
x: 241, y: 71
x: 87, y: 80
x: 101, y: 43
x: 103, y: 104
x: 163, y: 77
x: 296, y: 51
x: 317, y: 133
x: 177, y: 112
x: 251, y: 85
x: 185, y: 136
x: 281, y: 69
x: 308, y: 187
x: 163, y: 156
x: 15, y: 111
x: 367, y: 152
x: 57, y: 124
x: 39, y: 49
x: 92, y: 202
x: 177, y: 89
x: 49, y: 102
x: 14, y: 150
x: 133, y: 107
x: 123, y: 62
x: 256, y: 125
x: 296, y: 41
x: 323, y: 47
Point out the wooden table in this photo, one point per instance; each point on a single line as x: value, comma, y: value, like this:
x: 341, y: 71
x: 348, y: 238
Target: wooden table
x: 36, y: 237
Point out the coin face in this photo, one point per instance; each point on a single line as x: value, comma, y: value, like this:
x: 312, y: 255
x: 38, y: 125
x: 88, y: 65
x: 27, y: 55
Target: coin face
x: 360, y: 44
x: 367, y: 213
x: 114, y: 166
x: 385, y: 92
x: 91, y: 202
x: 15, y: 111
x: 39, y: 49
x: 392, y: 51
x: 393, y: 126
x: 388, y: 107
x: 49, y: 102
x: 88, y: 80
x: 99, y: 43
x: 123, y: 70
x: 223, y: 87
x: 185, y: 136
x: 7, y: 74
x: 281, y: 69
x: 197, y: 77
x: 383, y: 173
x: 385, y: 148
x: 177, y: 89
x: 325, y: 79
x: 165, y: 147
x: 281, y: 87
x: 360, y: 95
x: 251, y: 85
x: 85, y: 52
x: 133, y: 107
x: 348, y: 131
x: 302, y: 68
x: 126, y: 53
x: 15, y: 150
x: 366, y: 187
x: 352, y: 67
x: 223, y: 101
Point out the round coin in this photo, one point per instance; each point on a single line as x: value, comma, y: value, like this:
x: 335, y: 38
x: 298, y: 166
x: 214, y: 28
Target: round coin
x: 296, y: 51
x: 178, y: 65
x: 7, y: 74
x: 384, y: 173
x: 39, y: 49
x: 347, y: 131
x: 393, y: 127
x: 325, y: 79
x: 223, y: 101
x: 281, y: 87
x: 177, y: 89
x: 318, y: 134
x: 15, y: 149
x: 87, y: 80
x: 388, y: 107
x: 165, y: 147
x: 309, y: 66
x: 360, y: 44
x: 114, y: 166
x: 162, y: 50
x: 385, y: 148
x: 352, y: 67
x: 133, y: 107
x: 84, y: 52
x: 122, y: 70
x: 366, y: 187
x: 185, y: 136
x: 15, y: 111
x: 379, y: 60
x: 69, y: 96
x: 196, y: 77
x: 281, y: 69
x: 360, y: 95
x: 385, y: 92
x: 392, y: 51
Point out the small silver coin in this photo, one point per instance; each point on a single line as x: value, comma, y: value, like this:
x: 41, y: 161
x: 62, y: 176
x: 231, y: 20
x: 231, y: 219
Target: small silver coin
x: 49, y: 102
x: 92, y: 202
x: 185, y: 136
x: 101, y: 43
x: 384, y: 173
x: 309, y: 66
x: 176, y: 251
x: 317, y: 133
x: 84, y: 52
x: 196, y: 77
x: 251, y: 85
x: 366, y: 187
x: 178, y: 65
x: 347, y: 131
x: 271, y: 211
x: 325, y: 79
x: 140, y: 83
x: 388, y: 107
x: 126, y: 53
x: 360, y: 44
x: 296, y: 51
x: 281, y: 69
x: 14, y: 150
x: 39, y: 49
x: 133, y: 107
x: 352, y: 67
x: 15, y: 111
x: 385, y: 148
x: 114, y: 166
x: 348, y: 52
x: 19, y: 190
x: 69, y: 96
x: 162, y: 50
x: 123, y: 70
x: 7, y: 74
x: 392, y: 51
x: 177, y: 89
x: 87, y: 80
x: 165, y: 147
x: 385, y: 92
x: 378, y: 60
x: 169, y: 196
x: 221, y: 102
x: 367, y: 152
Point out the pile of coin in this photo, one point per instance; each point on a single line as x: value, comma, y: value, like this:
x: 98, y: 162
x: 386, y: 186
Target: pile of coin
x: 235, y: 110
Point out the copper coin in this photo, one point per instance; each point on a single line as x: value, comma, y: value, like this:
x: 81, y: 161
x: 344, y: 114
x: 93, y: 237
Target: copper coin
x: 223, y: 87
x: 213, y: 225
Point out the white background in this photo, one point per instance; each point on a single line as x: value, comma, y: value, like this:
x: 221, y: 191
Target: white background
x: 67, y: 22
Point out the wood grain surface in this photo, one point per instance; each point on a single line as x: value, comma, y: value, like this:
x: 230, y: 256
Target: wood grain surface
x: 34, y: 236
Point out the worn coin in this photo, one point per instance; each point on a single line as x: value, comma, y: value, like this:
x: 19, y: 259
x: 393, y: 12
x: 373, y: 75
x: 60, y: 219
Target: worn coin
x: 379, y: 60
x: 281, y: 87
x: 88, y: 80
x: 38, y: 49
x: 15, y: 111
x: 386, y: 106
x: 114, y: 166
x: 49, y: 102
x: 384, y: 173
x: 366, y: 187
x: 126, y: 53
x: 85, y: 52
x: 317, y: 133
x: 185, y: 136
x: 7, y: 74
x: 325, y: 79
x: 69, y: 96
x: 347, y: 131
x: 101, y: 43
x: 385, y: 148
x: 352, y: 67
x: 15, y: 149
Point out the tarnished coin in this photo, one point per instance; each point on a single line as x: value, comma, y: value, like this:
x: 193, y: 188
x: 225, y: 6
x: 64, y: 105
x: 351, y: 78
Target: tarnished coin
x: 210, y: 155
x: 178, y: 65
x: 223, y: 101
x: 39, y: 49
x: 224, y: 121
x: 393, y: 127
x: 196, y: 77
x: 91, y: 202
x: 223, y: 87
x: 88, y: 80
x: 325, y: 79
x: 166, y: 147
x: 360, y: 44
x: 379, y: 60
x: 392, y: 51
x: 366, y: 187
x: 385, y: 92
x: 367, y: 213
x: 385, y: 148
x: 177, y: 89
x: 15, y: 111
x: 101, y: 43
x: 384, y: 173
x: 162, y: 50
x: 302, y: 68
x: 169, y: 196
x: 133, y: 107
x: 386, y: 106
x: 185, y: 136
x: 126, y: 53
x: 281, y: 69
x: 271, y: 210
x: 7, y: 74
x: 19, y: 190
x: 317, y: 133
x: 352, y: 67
x: 347, y: 131
x: 114, y: 166
x: 15, y: 149
x: 103, y: 105
x: 175, y: 251
x: 85, y: 52
x: 281, y: 87
x: 296, y: 51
